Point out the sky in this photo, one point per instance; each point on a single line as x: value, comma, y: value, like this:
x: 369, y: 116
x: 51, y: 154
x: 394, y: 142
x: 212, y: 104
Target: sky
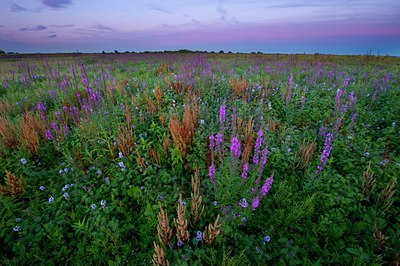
x: 269, y: 26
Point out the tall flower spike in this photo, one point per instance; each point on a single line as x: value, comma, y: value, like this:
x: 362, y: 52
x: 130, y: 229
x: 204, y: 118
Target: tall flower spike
x: 14, y: 186
x: 235, y: 148
x: 158, y: 256
x: 163, y: 229
x: 325, y: 153
x: 181, y: 223
x: 197, y: 209
x: 211, y: 231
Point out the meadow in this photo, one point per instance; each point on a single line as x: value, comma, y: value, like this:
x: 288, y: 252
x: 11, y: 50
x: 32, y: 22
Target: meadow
x: 199, y: 159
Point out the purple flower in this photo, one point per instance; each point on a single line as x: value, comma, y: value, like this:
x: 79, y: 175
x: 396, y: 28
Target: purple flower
x: 18, y: 220
x: 256, y: 202
x: 267, y: 185
x: 267, y: 239
x: 48, y: 135
x: 243, y: 203
x: 179, y: 244
x: 65, y: 130
x: 94, y: 206
x: 245, y: 170
x: 235, y: 148
x: 17, y: 228
x: 339, y: 94
x: 257, y: 146
x: 264, y: 154
x: 51, y: 199
x: 23, y: 161
x: 346, y: 82
x: 211, y: 172
x: 219, y: 138
x: 40, y: 107
x: 42, y: 188
x: 199, y: 236
x: 289, y: 92
x: 66, y: 195
x: 244, y: 219
x: 120, y: 155
x: 222, y: 113
x: 42, y: 110
x: 353, y: 120
x: 107, y: 179
x: 54, y: 126
x: 326, y: 152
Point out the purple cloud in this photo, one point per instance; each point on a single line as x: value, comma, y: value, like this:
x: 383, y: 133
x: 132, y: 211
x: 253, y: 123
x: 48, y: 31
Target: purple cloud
x: 17, y: 8
x: 161, y: 9
x: 102, y: 27
x: 57, y: 3
x: 64, y: 26
x: 35, y: 28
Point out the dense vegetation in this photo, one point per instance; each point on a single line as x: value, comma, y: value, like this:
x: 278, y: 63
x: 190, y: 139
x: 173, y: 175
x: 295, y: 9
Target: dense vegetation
x: 199, y: 159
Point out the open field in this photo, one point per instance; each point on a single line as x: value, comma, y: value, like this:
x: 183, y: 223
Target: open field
x: 199, y: 159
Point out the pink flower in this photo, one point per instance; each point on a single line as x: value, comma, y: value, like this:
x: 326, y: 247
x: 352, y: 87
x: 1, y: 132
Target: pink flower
x: 256, y: 202
x: 235, y: 148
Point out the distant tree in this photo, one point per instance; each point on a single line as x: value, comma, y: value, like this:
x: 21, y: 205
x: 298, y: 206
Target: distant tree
x: 221, y: 52
x: 10, y: 53
x: 127, y: 52
x: 2, y: 52
x: 116, y: 51
x: 259, y: 52
x: 229, y: 52
x: 185, y: 51
x: 103, y: 52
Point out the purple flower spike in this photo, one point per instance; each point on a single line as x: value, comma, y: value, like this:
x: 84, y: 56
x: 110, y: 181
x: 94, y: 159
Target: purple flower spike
x: 257, y: 146
x: 256, y: 202
x: 325, y: 153
x: 235, y: 148
x: 49, y: 135
x: 267, y: 186
x: 245, y: 170
x: 222, y: 113
x: 211, y: 172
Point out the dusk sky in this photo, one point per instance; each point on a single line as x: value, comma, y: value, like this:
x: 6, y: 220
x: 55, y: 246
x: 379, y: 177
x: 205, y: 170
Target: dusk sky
x: 270, y: 26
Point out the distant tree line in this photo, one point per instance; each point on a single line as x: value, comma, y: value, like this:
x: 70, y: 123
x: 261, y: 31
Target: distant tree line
x: 181, y: 51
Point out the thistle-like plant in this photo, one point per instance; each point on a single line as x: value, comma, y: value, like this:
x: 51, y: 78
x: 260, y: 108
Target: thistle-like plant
x: 211, y: 231
x: 181, y: 223
x: 197, y: 198
x: 159, y: 256
x: 14, y: 187
x: 163, y: 229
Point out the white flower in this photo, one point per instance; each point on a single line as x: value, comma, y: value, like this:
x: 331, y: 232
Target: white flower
x: 23, y: 161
